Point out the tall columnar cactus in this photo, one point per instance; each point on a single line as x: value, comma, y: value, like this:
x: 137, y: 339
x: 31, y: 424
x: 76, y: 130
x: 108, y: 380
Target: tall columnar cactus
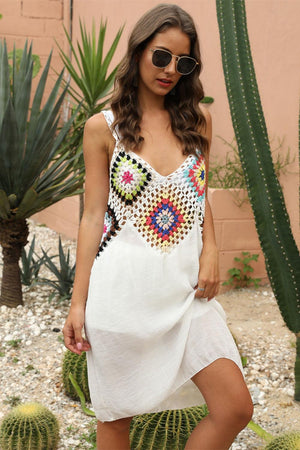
x: 271, y: 218
x: 29, y: 426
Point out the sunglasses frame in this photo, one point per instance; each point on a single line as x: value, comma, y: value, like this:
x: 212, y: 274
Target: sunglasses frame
x: 177, y: 58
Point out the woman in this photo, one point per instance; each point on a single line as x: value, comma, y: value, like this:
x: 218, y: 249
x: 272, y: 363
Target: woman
x: 147, y: 298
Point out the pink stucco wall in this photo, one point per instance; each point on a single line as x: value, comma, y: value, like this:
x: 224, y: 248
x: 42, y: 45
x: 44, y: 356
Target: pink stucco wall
x: 39, y: 21
x: 274, y: 33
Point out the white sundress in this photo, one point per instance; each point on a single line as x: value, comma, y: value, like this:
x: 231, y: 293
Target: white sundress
x: 148, y: 333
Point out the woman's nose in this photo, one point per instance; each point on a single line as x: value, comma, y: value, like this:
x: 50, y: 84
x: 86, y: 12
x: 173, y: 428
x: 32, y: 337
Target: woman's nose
x: 171, y: 68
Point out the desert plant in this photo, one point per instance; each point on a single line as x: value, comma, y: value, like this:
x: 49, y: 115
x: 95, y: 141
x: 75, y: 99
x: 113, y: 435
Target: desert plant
x: 170, y: 429
x: 287, y: 441
x: 265, y: 194
x: 64, y: 274
x: 240, y: 277
x: 77, y: 366
x: 17, y: 55
x: 32, y: 175
x: 30, y: 265
x: 91, y: 83
x: 207, y: 100
x: 230, y: 175
x: 167, y: 430
x: 29, y: 426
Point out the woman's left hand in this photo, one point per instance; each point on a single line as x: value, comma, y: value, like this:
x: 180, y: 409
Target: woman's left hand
x: 208, y: 279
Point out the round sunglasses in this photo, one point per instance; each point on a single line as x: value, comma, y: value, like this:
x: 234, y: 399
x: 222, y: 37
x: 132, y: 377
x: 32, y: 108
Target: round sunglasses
x: 162, y: 58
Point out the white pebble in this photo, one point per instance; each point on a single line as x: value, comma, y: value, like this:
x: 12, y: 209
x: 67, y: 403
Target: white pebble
x: 8, y: 337
x: 36, y: 330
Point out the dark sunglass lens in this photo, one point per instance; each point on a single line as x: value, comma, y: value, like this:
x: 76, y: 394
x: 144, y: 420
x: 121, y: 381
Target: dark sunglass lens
x: 186, y: 65
x: 161, y: 58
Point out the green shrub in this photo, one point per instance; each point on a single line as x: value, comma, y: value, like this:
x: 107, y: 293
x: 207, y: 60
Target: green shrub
x: 240, y: 277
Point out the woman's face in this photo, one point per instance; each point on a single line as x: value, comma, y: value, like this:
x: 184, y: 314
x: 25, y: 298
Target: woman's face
x: 162, y: 81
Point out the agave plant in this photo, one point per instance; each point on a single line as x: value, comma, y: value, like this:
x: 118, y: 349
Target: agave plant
x: 64, y: 274
x: 271, y: 218
x: 91, y: 83
x: 32, y: 173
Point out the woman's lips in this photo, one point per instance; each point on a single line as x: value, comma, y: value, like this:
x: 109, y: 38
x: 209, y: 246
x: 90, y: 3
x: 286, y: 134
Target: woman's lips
x: 164, y: 82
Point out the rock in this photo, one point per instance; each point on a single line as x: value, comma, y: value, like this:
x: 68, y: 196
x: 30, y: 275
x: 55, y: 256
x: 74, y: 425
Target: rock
x: 36, y: 331
x: 8, y: 337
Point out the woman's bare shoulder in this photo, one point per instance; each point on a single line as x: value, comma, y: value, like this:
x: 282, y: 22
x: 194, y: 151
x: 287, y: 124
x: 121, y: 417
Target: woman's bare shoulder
x: 97, y: 134
x: 97, y: 124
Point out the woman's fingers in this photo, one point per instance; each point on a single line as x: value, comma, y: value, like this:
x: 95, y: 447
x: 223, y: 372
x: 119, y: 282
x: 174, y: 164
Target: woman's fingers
x: 74, y: 340
x: 206, y: 289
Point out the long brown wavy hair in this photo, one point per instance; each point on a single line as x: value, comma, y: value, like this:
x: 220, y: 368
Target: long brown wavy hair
x: 182, y: 104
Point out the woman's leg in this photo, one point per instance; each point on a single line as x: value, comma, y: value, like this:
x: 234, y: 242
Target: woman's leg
x: 229, y: 403
x: 113, y: 435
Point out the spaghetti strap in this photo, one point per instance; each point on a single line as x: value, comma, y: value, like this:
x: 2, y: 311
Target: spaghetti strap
x: 109, y: 117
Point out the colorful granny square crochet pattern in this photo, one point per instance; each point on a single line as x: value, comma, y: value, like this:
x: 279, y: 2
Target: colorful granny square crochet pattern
x: 110, y: 228
x: 195, y: 177
x: 165, y: 220
x: 128, y: 178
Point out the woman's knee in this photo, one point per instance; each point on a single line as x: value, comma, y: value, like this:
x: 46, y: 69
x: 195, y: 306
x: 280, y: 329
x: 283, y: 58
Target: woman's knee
x: 235, y: 413
x: 225, y: 391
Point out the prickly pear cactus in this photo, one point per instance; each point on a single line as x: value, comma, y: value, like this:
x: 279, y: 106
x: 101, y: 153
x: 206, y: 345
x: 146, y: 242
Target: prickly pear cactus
x: 30, y: 426
x: 288, y: 441
x: 76, y: 364
x: 165, y: 430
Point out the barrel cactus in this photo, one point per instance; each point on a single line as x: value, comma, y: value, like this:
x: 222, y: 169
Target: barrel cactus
x: 77, y: 366
x: 288, y: 441
x: 29, y: 426
x: 165, y: 430
x: 265, y: 194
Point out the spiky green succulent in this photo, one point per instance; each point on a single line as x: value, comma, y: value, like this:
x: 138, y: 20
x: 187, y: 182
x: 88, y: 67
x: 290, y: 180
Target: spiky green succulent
x: 165, y: 430
x: 77, y: 366
x: 288, y: 441
x: 34, y: 172
x: 29, y: 426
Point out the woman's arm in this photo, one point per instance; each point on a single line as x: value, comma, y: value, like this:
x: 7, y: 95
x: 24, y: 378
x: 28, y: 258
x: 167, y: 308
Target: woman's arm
x: 208, y: 278
x: 96, y: 142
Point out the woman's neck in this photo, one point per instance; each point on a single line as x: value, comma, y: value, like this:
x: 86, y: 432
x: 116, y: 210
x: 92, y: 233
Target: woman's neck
x: 149, y: 101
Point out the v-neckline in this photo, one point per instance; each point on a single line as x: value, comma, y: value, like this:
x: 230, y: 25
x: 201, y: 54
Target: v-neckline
x: 150, y: 167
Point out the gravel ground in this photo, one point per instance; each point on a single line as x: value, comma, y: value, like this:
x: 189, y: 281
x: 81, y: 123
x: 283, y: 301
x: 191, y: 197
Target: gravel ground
x: 31, y: 351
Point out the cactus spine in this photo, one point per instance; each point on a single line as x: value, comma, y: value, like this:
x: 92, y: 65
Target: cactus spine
x: 77, y: 366
x: 30, y: 426
x: 271, y: 218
